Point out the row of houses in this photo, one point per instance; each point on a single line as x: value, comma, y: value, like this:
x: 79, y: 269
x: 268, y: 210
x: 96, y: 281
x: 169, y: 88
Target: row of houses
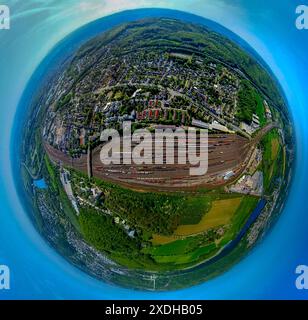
x: 155, y: 114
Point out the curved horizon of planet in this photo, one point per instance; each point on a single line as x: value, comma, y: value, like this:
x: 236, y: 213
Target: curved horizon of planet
x: 54, y: 59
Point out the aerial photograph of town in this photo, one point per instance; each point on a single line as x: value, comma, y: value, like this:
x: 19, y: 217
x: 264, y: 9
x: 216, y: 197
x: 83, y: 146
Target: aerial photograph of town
x: 149, y: 225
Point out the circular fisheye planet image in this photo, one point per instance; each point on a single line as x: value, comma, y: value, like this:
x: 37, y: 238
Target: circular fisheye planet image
x: 148, y: 224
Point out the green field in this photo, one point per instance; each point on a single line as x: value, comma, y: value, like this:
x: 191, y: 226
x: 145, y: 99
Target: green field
x: 243, y: 212
x: 221, y: 213
x: 193, y: 248
x: 273, y: 159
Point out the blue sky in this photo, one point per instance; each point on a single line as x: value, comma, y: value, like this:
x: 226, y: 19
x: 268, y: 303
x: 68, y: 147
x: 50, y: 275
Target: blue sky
x: 36, y: 26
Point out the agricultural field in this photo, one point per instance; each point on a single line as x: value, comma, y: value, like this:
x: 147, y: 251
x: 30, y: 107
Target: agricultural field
x: 220, y: 214
x: 189, y: 243
x: 273, y: 162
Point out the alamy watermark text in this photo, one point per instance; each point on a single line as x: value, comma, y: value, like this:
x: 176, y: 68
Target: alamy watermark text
x: 4, y: 277
x: 163, y: 146
x: 4, y: 17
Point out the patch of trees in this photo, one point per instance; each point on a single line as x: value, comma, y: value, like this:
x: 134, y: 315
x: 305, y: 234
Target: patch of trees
x: 100, y: 231
x: 247, y: 102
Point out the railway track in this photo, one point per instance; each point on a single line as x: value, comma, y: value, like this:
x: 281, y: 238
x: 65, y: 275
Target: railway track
x: 227, y: 152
